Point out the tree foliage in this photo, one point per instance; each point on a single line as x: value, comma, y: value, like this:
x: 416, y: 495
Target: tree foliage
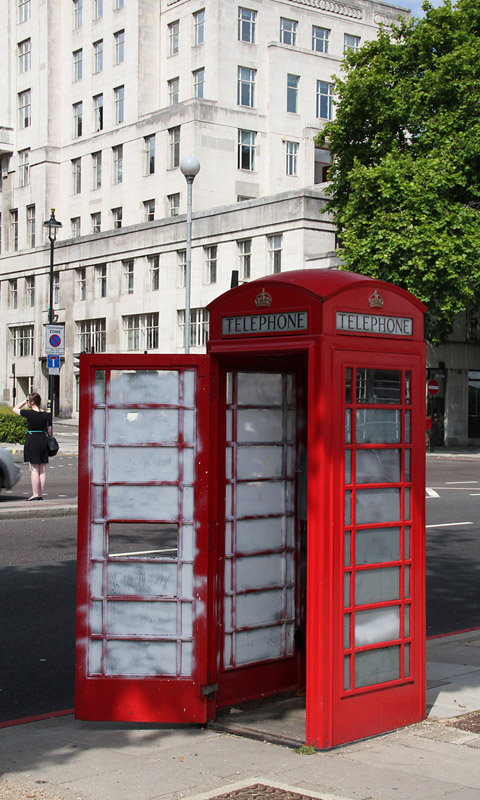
x: 12, y: 428
x: 405, y: 191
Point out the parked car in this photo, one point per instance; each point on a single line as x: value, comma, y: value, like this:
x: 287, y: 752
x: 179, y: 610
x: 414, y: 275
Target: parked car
x: 9, y: 472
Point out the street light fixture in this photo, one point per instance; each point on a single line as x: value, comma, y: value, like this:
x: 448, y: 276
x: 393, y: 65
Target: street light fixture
x: 53, y: 225
x: 190, y: 167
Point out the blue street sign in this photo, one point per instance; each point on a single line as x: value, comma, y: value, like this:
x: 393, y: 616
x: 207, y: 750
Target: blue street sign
x: 53, y: 362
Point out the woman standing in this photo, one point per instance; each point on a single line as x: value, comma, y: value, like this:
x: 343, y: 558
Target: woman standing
x: 35, y: 450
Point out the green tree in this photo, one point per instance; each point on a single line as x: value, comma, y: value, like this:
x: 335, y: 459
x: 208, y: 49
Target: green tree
x: 405, y: 143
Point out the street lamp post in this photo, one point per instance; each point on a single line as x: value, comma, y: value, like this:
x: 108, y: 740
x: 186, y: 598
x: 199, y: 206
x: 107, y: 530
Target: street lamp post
x: 190, y: 167
x: 52, y: 226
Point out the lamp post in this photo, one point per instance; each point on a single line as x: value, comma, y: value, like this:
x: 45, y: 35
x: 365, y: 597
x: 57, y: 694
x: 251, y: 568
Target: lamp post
x: 52, y: 226
x: 190, y: 167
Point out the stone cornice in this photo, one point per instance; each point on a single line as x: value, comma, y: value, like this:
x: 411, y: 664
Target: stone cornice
x: 333, y: 7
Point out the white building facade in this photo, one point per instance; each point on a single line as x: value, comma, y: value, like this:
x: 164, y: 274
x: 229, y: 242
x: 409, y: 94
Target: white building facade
x: 101, y: 99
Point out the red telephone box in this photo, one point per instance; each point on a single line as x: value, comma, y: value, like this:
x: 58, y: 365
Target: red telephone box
x: 252, y: 520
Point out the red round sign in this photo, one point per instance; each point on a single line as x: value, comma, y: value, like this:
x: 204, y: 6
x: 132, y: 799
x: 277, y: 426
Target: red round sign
x: 433, y: 387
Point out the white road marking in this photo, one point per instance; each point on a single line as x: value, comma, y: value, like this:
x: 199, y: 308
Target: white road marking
x: 460, y: 483
x: 143, y: 553
x: 431, y: 492
x: 474, y: 494
x: 448, y: 524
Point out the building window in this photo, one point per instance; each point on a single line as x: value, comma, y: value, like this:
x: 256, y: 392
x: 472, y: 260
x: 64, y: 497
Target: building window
x: 149, y: 210
x: 75, y: 226
x: 351, y: 43
x: 173, y: 91
x: 23, y: 167
x: 244, y: 247
x: 291, y: 150
x: 96, y: 221
x: 117, y: 215
x: 141, y: 331
x: 199, y: 82
x: 246, y: 86
x: 174, y: 204
x: 91, y: 335
x: 98, y: 56
x: 101, y: 280
x: 118, y: 163
x: 119, y: 39
x: 324, y: 100
x: 198, y: 327
x: 24, y: 50
x: 25, y: 109
x: 320, y: 39
x: 246, y: 150
x: 30, y: 291
x: 292, y: 93
x: 181, y: 268
x: 210, y: 274
x: 199, y: 26
x: 21, y: 341
x: 149, y: 154
x: 24, y: 10
x: 76, y: 176
x: 12, y: 293
x: 119, y: 94
x: 14, y: 230
x: 173, y: 33
x: 97, y: 9
x: 98, y: 113
x: 154, y: 271
x: 246, y: 25
x: 31, y: 232
x: 275, y: 253
x: 77, y: 65
x: 77, y: 119
x: 118, y: 4
x: 77, y: 14
x: 128, y: 276
x: 81, y: 275
x: 56, y: 289
x: 174, y: 147
x: 288, y: 31
x: 96, y: 170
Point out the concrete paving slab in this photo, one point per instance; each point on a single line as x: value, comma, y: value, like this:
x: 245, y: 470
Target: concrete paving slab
x: 451, y: 701
x: 467, y: 649
x: 441, y: 670
x: 423, y: 757
x: 351, y: 777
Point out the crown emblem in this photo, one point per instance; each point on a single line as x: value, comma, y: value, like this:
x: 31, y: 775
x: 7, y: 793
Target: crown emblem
x: 263, y: 299
x: 376, y: 300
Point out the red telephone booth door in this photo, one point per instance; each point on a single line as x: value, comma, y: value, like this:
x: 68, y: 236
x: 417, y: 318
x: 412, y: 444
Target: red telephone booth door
x: 263, y: 416
x: 379, y: 606
x: 143, y: 550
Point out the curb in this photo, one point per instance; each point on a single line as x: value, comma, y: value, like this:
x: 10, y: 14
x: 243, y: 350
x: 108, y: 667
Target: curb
x: 18, y: 512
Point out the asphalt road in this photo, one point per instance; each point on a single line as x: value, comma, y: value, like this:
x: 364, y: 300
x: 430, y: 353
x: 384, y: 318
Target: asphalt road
x: 453, y: 545
x: 37, y: 584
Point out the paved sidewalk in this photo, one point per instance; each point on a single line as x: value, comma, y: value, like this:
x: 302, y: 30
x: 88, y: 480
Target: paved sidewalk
x: 65, y: 759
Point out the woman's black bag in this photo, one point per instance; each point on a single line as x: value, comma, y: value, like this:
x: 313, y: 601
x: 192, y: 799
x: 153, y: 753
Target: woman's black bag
x: 52, y: 445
